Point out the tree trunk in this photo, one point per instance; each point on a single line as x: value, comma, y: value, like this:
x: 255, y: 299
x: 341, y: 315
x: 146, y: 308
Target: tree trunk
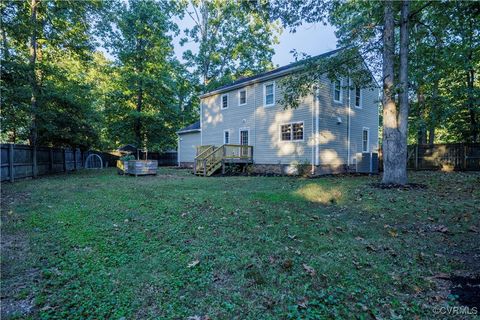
x: 431, y: 135
x: 139, y: 104
x: 390, y: 148
x: 422, y: 130
x: 403, y: 96
x: 33, y: 81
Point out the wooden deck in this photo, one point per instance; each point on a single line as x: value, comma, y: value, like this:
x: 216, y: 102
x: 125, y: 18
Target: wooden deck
x: 209, y: 158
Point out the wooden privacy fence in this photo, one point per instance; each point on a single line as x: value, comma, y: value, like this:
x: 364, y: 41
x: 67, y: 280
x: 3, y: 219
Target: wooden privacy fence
x: 17, y: 161
x: 443, y: 156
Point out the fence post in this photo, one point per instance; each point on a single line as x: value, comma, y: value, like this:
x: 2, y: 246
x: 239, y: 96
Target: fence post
x: 10, y: 162
x: 74, y: 159
x: 34, y: 161
x: 50, y: 160
x: 464, y: 156
x: 416, y: 157
x: 64, y: 160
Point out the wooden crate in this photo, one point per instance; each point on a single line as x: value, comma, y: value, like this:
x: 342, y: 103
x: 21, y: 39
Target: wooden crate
x: 122, y: 167
x: 142, y: 167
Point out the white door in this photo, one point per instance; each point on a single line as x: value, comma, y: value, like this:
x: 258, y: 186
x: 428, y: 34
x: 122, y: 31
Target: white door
x: 244, y: 142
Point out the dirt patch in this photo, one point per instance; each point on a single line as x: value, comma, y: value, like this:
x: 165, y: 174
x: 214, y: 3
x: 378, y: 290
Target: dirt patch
x: 409, y: 186
x: 467, y: 289
x: 17, y: 279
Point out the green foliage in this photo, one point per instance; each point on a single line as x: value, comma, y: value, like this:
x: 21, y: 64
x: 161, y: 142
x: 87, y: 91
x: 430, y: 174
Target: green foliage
x: 235, y: 40
x: 149, y: 91
x: 127, y: 157
x: 63, y: 113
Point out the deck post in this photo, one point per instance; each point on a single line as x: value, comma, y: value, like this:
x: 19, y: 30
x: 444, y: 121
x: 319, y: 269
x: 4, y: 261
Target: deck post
x: 223, y: 166
x: 204, y: 167
x: 194, y: 166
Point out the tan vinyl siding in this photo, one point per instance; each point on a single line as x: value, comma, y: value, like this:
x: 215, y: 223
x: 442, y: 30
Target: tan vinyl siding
x: 264, y: 124
x: 187, y: 146
x: 367, y: 116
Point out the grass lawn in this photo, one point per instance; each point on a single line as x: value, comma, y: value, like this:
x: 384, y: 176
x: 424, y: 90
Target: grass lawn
x: 98, y: 245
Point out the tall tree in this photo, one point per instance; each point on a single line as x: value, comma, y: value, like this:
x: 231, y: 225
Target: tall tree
x: 41, y: 40
x: 142, y: 105
x: 370, y: 28
x: 234, y: 38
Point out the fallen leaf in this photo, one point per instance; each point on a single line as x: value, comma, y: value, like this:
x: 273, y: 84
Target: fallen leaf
x: 193, y: 263
x: 393, y: 233
x: 371, y: 248
x: 309, y: 269
x: 302, y: 304
x: 287, y: 264
x: 473, y: 229
x: 441, y: 228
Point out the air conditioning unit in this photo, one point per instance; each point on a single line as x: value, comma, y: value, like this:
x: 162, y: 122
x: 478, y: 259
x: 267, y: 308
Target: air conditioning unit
x: 367, y: 162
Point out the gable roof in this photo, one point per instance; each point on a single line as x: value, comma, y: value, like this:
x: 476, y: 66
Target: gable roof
x: 268, y: 74
x: 191, y: 128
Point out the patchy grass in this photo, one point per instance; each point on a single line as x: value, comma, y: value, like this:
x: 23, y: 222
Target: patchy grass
x: 98, y: 245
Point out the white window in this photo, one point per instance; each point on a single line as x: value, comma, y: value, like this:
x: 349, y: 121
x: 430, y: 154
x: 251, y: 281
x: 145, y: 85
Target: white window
x: 365, y: 139
x: 269, y: 94
x: 242, y: 97
x: 225, y: 101
x: 337, y: 91
x: 291, y: 131
x: 226, y: 136
x: 358, y: 97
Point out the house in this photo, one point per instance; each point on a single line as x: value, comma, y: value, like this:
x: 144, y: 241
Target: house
x: 329, y: 131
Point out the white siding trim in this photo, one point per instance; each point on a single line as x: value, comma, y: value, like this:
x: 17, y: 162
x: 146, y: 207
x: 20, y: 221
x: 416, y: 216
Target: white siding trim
x: 368, y: 139
x: 221, y: 101
x: 201, y: 122
x: 341, y: 91
x: 291, y: 123
x: 229, y: 136
x: 355, y: 98
x: 246, y: 96
x: 265, y: 94
x: 240, y: 136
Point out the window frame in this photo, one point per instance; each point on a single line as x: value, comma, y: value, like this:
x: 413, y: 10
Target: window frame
x: 224, y: 140
x: 291, y: 132
x: 221, y: 101
x: 240, y: 135
x: 360, y: 105
x: 240, y: 97
x: 340, y: 91
x: 265, y: 93
x: 367, y: 129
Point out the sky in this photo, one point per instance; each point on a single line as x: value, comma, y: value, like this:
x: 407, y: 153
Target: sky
x: 312, y: 39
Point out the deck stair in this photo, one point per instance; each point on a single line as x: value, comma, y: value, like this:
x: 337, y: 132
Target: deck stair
x: 209, y: 158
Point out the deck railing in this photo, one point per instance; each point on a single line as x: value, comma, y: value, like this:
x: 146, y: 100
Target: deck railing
x: 209, y: 158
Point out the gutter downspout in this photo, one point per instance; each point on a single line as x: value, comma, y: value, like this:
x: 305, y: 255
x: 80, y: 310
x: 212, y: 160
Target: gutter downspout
x: 201, y: 122
x: 313, y: 106
x: 178, y: 151
x: 317, y: 116
x: 348, y: 124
